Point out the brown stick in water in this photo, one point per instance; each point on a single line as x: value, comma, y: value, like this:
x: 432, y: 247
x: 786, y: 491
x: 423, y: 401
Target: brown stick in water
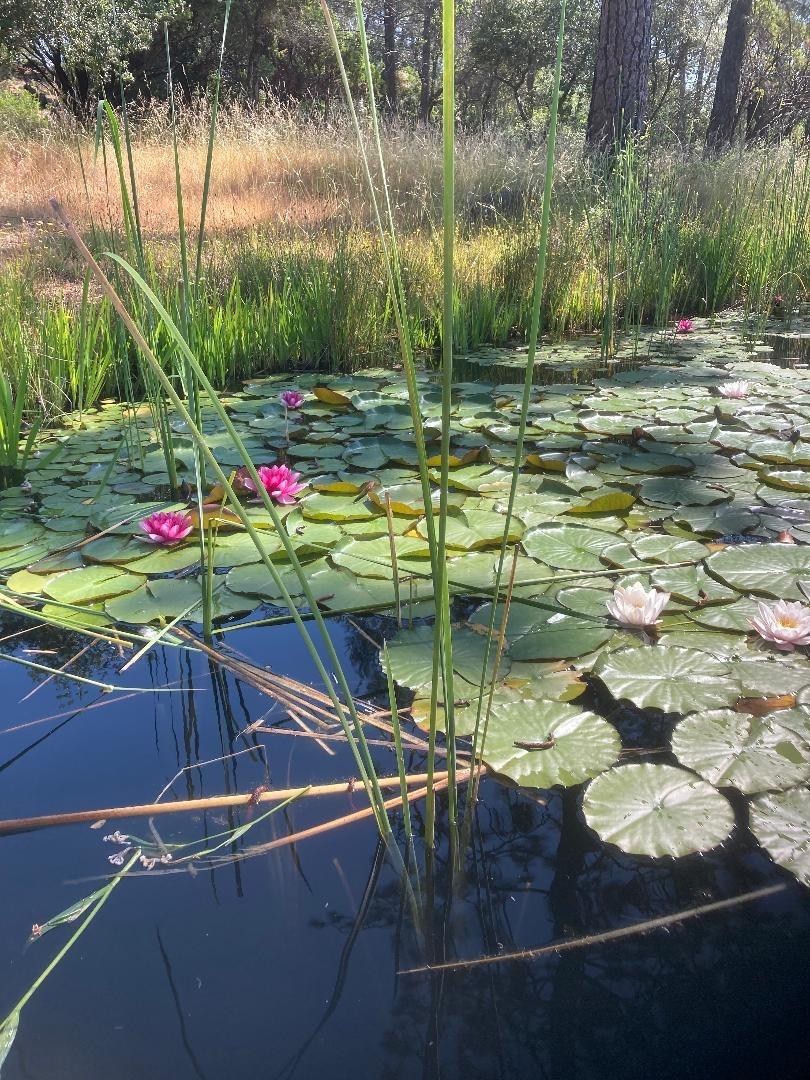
x: 598, y: 939
x: 216, y: 802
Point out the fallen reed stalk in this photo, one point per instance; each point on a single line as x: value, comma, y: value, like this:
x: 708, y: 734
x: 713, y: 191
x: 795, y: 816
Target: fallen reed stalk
x: 216, y: 802
x: 324, y: 827
x: 290, y: 692
x: 607, y: 935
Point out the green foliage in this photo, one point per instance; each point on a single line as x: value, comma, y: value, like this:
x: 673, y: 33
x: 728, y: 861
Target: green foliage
x: 75, y: 47
x: 20, y: 113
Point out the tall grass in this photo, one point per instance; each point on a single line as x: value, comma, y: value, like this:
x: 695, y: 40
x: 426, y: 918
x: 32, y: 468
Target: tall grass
x: 658, y: 237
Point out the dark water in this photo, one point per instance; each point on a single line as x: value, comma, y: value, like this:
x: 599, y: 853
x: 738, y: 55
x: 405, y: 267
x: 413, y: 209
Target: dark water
x: 286, y: 965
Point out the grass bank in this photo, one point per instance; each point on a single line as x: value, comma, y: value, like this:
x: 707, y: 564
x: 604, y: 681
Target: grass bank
x: 293, y: 272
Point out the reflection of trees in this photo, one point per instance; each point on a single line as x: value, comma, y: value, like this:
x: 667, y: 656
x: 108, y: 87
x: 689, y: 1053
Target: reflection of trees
x: 534, y: 874
x: 661, y: 1005
x: 54, y: 647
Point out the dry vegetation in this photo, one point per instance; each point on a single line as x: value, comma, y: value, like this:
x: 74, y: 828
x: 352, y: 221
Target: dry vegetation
x: 294, y: 274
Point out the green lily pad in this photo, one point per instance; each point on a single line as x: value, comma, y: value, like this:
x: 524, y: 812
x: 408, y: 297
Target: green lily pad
x: 583, y: 744
x: 670, y: 679
x: 766, y: 569
x: 561, y: 637
x: 567, y: 547
x: 781, y: 823
x: 665, y: 491
x: 91, y: 583
x: 669, y: 549
x: 411, y: 656
x: 749, y: 753
x: 657, y: 810
x: 14, y: 532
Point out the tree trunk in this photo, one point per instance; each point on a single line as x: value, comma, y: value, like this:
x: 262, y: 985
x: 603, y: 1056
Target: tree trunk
x: 724, y: 108
x: 620, y: 81
x: 390, y: 15
x: 426, y: 62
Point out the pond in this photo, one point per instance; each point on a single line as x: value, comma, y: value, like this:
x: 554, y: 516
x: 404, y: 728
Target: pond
x: 632, y: 894
x: 289, y: 964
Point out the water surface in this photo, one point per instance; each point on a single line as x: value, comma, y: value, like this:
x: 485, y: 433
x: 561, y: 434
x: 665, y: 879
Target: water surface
x: 287, y: 964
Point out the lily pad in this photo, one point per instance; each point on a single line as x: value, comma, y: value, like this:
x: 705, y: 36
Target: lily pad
x: 411, y: 656
x: 657, y: 810
x: 749, y: 753
x: 92, y: 583
x: 670, y: 679
x: 561, y: 637
x: 567, y: 547
x: 767, y: 569
x: 582, y: 744
x: 781, y: 823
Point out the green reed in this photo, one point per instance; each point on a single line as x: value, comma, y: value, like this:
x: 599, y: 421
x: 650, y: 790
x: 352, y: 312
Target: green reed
x: 384, y: 220
x: 344, y: 704
x: 482, y: 714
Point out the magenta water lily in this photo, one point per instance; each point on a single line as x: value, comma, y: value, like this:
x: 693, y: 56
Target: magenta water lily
x: 166, y: 527
x: 684, y: 326
x: 281, y: 483
x: 291, y: 399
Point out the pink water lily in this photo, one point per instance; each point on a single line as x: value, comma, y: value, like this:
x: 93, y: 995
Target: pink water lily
x: 280, y: 483
x: 684, y: 326
x: 634, y: 606
x: 738, y: 389
x: 784, y: 624
x: 291, y: 399
x: 166, y: 527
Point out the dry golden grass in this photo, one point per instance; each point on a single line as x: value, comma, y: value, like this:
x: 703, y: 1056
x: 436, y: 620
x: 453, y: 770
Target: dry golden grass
x: 270, y: 174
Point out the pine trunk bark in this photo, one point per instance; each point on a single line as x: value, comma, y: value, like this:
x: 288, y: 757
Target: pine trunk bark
x: 390, y: 18
x: 621, y: 74
x: 426, y: 61
x: 723, y: 119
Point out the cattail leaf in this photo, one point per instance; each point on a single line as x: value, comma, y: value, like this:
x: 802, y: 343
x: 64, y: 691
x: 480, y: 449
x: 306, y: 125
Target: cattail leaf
x: 8, y: 1032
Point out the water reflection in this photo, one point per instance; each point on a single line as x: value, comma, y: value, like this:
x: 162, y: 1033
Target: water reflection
x: 291, y: 964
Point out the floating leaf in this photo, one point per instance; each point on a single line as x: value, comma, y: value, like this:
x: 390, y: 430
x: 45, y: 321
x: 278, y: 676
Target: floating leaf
x: 749, y: 753
x: 372, y: 558
x: 330, y: 397
x: 582, y: 744
x: 669, y: 549
x: 320, y: 507
x: 768, y: 569
x: 663, y: 491
x: 656, y: 810
x: 607, y: 502
x: 92, y: 583
x: 568, y: 547
x: 781, y: 823
x: 15, y: 532
x: 411, y: 657
x: 673, y: 680
x: 561, y: 637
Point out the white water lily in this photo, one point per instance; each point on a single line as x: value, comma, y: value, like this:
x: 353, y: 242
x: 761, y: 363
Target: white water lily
x: 738, y: 389
x: 784, y: 624
x: 635, y: 606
